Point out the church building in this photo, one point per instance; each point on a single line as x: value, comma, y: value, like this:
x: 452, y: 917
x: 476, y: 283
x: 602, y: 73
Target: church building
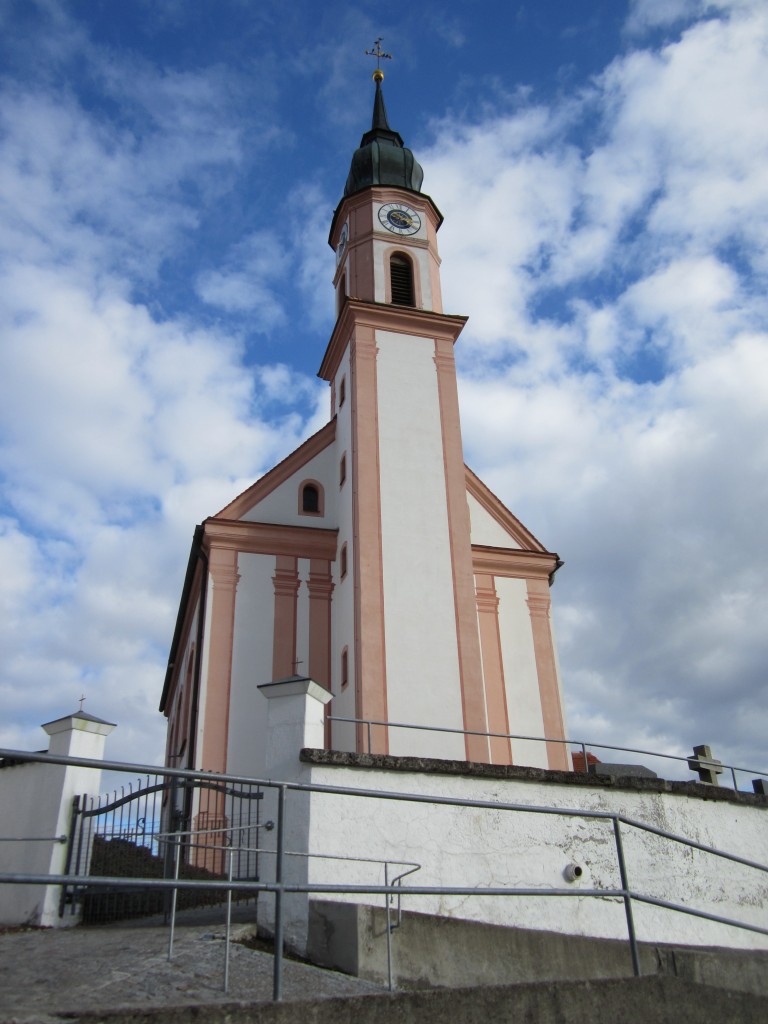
x: 371, y: 559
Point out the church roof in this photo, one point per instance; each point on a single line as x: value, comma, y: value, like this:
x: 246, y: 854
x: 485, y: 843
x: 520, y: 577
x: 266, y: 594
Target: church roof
x: 382, y: 158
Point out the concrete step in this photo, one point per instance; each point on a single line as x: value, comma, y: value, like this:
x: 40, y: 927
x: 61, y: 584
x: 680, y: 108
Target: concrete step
x: 432, y: 951
x: 655, y: 1000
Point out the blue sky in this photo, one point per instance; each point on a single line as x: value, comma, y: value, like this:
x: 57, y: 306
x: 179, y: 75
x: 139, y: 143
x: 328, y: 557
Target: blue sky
x: 168, y: 173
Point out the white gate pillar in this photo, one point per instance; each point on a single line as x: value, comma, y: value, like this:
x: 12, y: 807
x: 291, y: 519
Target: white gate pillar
x: 36, y: 805
x: 295, y: 719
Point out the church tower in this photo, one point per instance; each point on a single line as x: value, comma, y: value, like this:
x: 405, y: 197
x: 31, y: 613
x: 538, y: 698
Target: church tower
x: 372, y: 559
x: 391, y: 359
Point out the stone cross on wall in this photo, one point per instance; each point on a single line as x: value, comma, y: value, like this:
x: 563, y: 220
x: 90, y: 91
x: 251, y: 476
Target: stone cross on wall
x: 707, y: 767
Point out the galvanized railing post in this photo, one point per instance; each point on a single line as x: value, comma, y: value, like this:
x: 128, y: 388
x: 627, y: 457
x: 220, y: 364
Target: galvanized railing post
x: 176, y: 840
x: 277, y: 980
x: 627, y: 898
x: 387, y: 898
x: 229, y: 921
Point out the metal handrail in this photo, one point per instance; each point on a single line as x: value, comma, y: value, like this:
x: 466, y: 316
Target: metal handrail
x: 33, y: 839
x: 174, y: 838
x: 279, y: 887
x: 584, y: 744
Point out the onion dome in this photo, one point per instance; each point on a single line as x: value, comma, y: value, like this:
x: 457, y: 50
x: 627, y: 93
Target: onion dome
x: 382, y: 159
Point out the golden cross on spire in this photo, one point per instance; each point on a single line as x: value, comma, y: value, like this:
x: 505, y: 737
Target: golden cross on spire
x: 377, y: 52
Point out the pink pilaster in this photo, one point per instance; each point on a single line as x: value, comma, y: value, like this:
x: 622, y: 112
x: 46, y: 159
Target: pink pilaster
x: 222, y: 563
x: 493, y: 668
x: 546, y: 669
x: 286, y: 584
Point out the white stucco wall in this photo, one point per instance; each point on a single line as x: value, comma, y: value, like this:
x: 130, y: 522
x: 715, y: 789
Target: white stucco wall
x: 471, y: 847
x: 36, y: 805
x: 282, y: 504
x: 251, y: 663
x: 343, y: 600
x: 520, y: 675
x: 485, y: 529
x: 420, y: 615
x: 204, y: 668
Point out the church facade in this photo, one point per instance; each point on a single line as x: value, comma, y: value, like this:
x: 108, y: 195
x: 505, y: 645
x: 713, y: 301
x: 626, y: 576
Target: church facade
x: 371, y: 559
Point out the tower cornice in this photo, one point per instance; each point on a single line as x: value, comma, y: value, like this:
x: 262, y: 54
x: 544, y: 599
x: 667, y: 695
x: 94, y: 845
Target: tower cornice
x: 383, y: 316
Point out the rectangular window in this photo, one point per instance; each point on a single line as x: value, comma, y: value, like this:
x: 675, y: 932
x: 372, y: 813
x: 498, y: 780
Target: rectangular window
x: 343, y: 470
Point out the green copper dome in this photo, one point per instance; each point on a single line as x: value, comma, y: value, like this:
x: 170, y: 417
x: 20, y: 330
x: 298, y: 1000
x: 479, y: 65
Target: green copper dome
x: 382, y: 159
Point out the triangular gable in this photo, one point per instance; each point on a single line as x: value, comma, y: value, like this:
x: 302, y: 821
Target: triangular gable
x: 276, y: 476
x: 499, y: 511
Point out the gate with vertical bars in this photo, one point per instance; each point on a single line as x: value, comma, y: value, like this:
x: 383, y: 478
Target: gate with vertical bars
x: 136, y: 832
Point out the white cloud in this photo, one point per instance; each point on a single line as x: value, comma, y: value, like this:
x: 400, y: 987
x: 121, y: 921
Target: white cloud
x: 644, y: 255
x: 610, y: 250
x: 121, y: 426
x: 245, y: 281
x: 651, y: 14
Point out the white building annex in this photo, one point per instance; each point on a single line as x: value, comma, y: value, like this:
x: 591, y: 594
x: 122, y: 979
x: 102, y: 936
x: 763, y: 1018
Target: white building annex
x: 371, y: 559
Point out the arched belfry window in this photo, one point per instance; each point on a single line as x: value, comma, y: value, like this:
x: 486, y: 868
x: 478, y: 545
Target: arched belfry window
x: 401, y: 280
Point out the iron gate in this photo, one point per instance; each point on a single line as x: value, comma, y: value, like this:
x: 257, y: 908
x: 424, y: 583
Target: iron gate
x: 134, y: 832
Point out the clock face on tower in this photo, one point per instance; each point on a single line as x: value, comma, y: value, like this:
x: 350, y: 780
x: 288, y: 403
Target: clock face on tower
x: 399, y: 219
x: 341, y: 247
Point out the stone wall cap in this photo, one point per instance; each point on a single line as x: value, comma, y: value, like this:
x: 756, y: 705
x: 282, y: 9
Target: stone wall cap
x: 80, y: 720
x: 296, y: 686
x: 520, y: 773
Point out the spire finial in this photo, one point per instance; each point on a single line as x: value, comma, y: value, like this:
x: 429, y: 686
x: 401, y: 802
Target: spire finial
x: 377, y: 52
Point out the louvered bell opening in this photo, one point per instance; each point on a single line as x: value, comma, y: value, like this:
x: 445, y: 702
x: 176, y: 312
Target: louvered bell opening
x: 401, y: 277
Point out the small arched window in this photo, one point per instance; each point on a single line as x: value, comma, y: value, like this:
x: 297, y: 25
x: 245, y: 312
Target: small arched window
x: 343, y: 559
x: 310, y: 499
x: 345, y: 668
x: 401, y: 280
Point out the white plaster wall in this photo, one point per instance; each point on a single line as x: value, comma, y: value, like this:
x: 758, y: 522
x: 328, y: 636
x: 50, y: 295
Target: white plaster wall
x: 282, y: 505
x: 204, y: 668
x: 343, y: 598
x: 36, y: 803
x: 520, y: 676
x: 472, y: 847
x: 302, y: 618
x: 251, y: 663
x: 30, y: 796
x: 485, y: 529
x: 420, y: 620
